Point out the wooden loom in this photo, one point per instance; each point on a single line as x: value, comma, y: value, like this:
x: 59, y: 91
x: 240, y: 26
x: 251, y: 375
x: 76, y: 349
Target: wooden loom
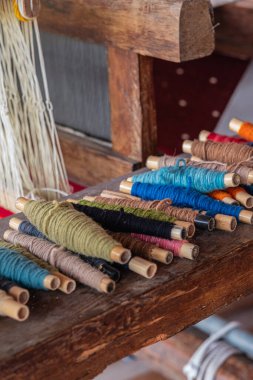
x: 83, y: 333
x: 134, y: 32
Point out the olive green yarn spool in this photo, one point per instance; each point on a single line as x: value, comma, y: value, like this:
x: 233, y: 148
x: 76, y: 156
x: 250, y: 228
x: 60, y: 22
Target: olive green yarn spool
x: 60, y: 223
x: 150, y: 214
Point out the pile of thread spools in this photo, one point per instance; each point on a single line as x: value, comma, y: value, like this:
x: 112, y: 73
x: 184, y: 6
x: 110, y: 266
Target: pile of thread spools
x: 149, y: 220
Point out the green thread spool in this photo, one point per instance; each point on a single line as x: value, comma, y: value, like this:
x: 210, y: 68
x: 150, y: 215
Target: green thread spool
x: 73, y: 230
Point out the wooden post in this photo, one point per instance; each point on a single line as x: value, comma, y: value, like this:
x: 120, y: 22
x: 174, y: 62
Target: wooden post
x: 133, y: 116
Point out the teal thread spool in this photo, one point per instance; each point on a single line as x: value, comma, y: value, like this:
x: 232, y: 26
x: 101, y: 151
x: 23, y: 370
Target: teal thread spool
x: 203, y: 180
x: 17, y: 268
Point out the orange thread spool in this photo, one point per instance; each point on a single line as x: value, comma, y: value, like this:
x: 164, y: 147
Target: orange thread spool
x: 223, y: 196
x: 246, y: 131
x: 219, y: 195
x: 241, y: 195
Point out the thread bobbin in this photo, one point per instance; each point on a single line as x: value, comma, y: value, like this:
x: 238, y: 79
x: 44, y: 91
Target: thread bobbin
x: 203, y: 135
x: 19, y: 294
x: 142, y: 267
x: 235, y: 125
x: 10, y: 308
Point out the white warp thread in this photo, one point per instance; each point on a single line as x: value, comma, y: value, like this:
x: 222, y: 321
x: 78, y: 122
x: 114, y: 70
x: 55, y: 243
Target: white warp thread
x: 211, y: 354
x: 30, y: 153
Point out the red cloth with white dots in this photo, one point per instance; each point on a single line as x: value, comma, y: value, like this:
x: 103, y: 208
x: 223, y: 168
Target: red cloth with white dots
x: 191, y: 96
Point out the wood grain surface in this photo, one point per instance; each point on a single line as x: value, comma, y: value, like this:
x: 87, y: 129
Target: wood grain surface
x: 77, y: 336
x: 131, y: 92
x: 234, y: 34
x: 173, y: 30
x: 91, y: 162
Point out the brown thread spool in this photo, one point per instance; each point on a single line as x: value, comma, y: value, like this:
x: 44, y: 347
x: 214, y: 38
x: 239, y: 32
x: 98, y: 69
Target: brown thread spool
x: 245, y: 216
x: 142, y: 267
x: 150, y: 251
x: 11, y: 308
x: 118, y: 254
x: 67, y: 284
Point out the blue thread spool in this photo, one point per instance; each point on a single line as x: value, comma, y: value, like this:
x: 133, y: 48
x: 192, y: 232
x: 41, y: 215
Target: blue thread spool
x: 186, y: 198
x: 18, y: 268
x: 201, y: 179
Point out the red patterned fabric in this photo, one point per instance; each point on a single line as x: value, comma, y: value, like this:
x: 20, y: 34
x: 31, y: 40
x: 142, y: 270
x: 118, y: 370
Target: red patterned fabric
x: 190, y: 97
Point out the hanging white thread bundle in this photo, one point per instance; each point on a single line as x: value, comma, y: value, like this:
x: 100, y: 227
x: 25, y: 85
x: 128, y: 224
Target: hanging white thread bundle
x: 30, y: 152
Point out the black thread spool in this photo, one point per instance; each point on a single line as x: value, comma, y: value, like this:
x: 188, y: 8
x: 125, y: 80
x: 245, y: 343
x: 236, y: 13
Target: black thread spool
x: 121, y: 221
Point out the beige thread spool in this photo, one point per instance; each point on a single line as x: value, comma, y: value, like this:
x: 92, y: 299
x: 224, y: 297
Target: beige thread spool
x: 67, y: 284
x: 118, y: 254
x: 19, y: 294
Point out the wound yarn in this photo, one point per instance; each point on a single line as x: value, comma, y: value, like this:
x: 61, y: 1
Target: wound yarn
x: 120, y: 221
x: 29, y: 229
x: 58, y: 257
x: 137, y: 247
x: 184, y: 198
x: 216, y: 137
x: 18, y: 268
x: 143, y: 213
x: 200, y: 179
x: 24, y: 252
x: 60, y: 223
x: 219, y: 195
x: 242, y: 168
x: 185, y: 214
x: 246, y: 131
x: 99, y: 264
x: 170, y: 245
x: 167, y: 160
x: 227, y: 153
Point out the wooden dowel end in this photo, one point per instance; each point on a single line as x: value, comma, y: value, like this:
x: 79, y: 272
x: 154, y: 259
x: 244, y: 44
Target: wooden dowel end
x: 125, y: 187
x: 20, y: 203
x: 189, y: 227
x: 225, y: 222
x: 178, y: 233
x: 67, y: 285
x: 152, y: 162
x: 14, y: 223
x: 232, y: 180
x: 142, y: 267
x: 235, y: 125
x: 189, y: 251
x: 19, y: 294
x: 203, y: 136
x: 14, y: 310
x: 187, y: 146
x: 161, y: 255
x: 120, y: 255
x: 246, y: 216
x: 107, y: 285
x: 51, y: 282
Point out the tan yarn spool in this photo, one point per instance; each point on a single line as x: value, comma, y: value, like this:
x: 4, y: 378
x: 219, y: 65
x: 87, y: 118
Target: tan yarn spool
x: 11, y: 308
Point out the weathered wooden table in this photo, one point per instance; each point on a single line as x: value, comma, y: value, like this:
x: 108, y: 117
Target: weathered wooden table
x: 76, y: 336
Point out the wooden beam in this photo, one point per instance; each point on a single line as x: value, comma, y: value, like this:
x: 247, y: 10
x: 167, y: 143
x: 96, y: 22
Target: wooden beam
x: 131, y: 93
x: 173, y: 30
x: 90, y: 162
x: 234, y: 35
x: 77, y: 336
x: 169, y: 357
